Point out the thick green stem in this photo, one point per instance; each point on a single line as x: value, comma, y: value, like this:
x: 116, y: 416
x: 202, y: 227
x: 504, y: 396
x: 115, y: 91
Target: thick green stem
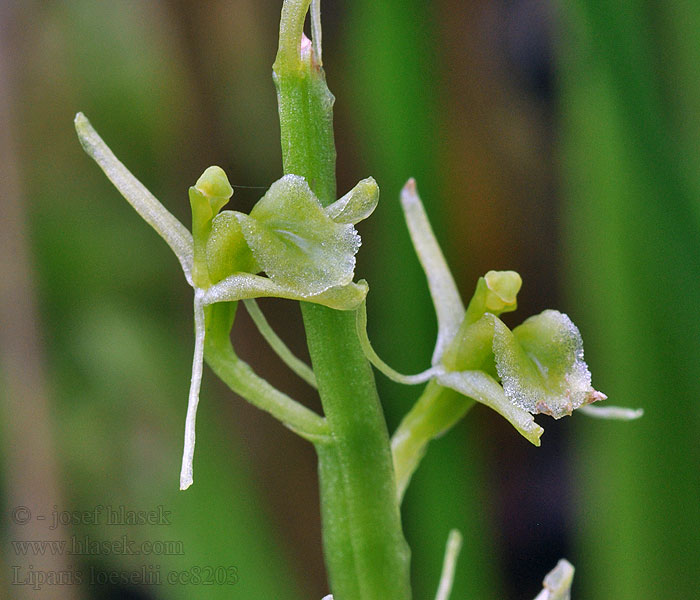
x: 366, y: 554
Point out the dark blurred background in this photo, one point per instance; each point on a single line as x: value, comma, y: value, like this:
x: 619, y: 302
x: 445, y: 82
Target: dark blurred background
x: 558, y: 139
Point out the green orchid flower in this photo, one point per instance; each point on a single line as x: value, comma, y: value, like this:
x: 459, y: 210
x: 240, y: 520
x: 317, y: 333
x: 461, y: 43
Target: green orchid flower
x: 289, y: 246
x: 537, y: 368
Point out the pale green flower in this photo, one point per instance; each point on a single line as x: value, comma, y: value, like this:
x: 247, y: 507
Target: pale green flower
x: 537, y: 368
x: 289, y: 246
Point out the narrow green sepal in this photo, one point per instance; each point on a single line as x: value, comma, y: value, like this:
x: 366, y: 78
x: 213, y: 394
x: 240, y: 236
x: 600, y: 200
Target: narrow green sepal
x: 146, y: 204
x: 612, y: 413
x: 449, y: 564
x: 241, y: 286
x: 484, y: 389
x: 187, y: 469
x: 443, y: 289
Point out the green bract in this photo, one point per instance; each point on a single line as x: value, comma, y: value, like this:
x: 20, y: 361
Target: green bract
x: 307, y: 253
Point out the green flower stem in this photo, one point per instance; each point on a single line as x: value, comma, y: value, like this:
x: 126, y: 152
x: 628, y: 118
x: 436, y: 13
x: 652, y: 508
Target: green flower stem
x: 281, y: 349
x: 305, y: 106
x: 237, y: 374
x: 366, y: 554
x: 436, y: 411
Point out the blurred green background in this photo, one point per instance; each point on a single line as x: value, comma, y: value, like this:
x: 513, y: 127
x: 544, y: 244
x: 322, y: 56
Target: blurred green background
x: 560, y: 140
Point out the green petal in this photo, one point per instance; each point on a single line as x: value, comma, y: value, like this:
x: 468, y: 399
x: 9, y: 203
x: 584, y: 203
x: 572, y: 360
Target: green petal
x: 296, y: 243
x: 241, y: 286
x: 541, y: 365
x: 358, y: 204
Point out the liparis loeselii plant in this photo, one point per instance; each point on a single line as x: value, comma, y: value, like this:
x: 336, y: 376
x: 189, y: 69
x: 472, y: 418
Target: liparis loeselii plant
x: 299, y: 243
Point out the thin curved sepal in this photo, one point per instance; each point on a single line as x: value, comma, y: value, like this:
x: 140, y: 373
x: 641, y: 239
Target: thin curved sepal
x: 146, y: 204
x: 275, y: 342
x: 237, y: 287
x: 378, y: 363
x: 484, y: 389
x: 186, y: 472
x: 557, y: 583
x: 443, y: 290
x: 316, y: 32
x: 612, y: 413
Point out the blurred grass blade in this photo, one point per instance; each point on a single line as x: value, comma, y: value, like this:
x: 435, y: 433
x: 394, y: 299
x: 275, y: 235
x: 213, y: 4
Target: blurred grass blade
x: 629, y: 109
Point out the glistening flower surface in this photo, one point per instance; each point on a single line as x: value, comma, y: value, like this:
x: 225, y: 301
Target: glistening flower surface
x: 537, y: 368
x: 306, y: 251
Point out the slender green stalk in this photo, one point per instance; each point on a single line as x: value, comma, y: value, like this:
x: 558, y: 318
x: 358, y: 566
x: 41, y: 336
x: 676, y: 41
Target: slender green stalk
x: 366, y: 554
x: 238, y: 375
x: 281, y: 349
